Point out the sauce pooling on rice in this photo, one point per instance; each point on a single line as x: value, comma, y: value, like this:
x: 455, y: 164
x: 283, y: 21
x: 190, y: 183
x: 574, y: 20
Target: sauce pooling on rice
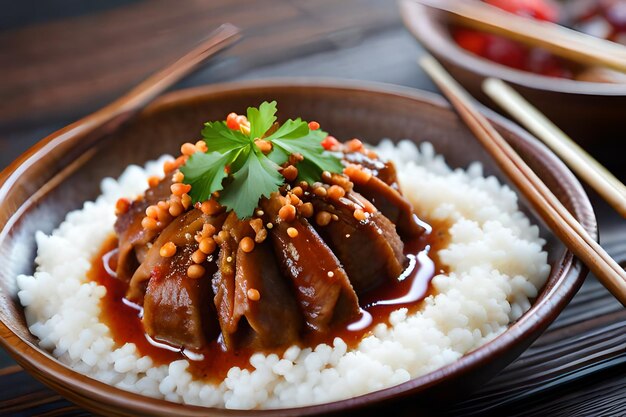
x: 213, y: 361
x: 259, y: 237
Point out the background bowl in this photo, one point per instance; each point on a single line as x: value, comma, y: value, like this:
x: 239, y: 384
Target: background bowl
x: 588, y: 112
x: 38, y: 189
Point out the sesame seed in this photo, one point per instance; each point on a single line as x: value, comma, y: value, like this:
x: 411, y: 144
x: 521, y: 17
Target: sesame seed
x: 208, y: 229
x: 264, y: 146
x: 336, y: 192
x: 188, y: 149
x: 198, y: 256
x: 357, y: 174
x: 306, y: 210
x: 330, y: 274
x: 152, y: 212
x: 320, y: 191
x: 292, y: 232
x: 122, y: 206
x: 323, y: 218
x: 207, y: 245
x: 201, y: 146
x: 246, y: 244
x: 253, y: 294
x: 229, y: 259
x: 176, y: 209
x: 163, y: 214
x: 287, y: 212
x: 185, y: 200
x: 167, y: 250
x: 359, y: 215
x: 180, y: 189
x: 153, y: 181
x: 297, y: 191
x: 290, y: 173
x: 294, y: 199
x: 195, y: 271
x: 149, y: 223
x: 169, y: 166
x: 178, y: 177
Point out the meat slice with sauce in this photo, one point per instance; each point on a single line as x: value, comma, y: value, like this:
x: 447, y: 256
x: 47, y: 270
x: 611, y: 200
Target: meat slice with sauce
x: 370, y: 250
x: 385, y: 170
x: 323, y: 290
x: 255, y: 304
x: 177, y: 309
x: 392, y: 204
x: 295, y: 268
x: 132, y: 236
x: 380, y: 187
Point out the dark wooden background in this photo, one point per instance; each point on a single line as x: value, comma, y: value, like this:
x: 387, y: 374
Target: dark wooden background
x: 61, y: 59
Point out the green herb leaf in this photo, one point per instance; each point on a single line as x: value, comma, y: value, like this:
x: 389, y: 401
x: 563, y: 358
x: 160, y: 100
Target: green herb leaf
x: 292, y: 129
x: 205, y: 173
x: 219, y: 138
x: 254, y: 175
x: 294, y: 136
x: 258, y: 177
x: 261, y: 119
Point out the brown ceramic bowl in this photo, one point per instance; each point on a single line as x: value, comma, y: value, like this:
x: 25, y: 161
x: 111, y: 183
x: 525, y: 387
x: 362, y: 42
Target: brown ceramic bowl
x: 348, y: 110
x: 587, y: 111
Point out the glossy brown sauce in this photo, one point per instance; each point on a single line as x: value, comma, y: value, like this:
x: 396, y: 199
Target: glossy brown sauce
x: 408, y: 291
x: 213, y: 362
x: 124, y: 321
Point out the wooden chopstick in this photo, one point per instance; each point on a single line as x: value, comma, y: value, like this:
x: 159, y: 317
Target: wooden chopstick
x: 562, y: 41
x: 590, y: 170
x: 94, y: 126
x: 222, y: 37
x: 555, y: 215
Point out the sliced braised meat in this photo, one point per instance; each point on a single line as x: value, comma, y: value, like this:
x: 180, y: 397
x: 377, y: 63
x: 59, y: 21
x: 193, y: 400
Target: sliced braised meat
x: 177, y: 309
x: 255, y: 304
x: 181, y: 232
x: 370, y: 251
x: 322, y: 288
x: 223, y: 282
x: 385, y: 170
x: 392, y: 204
x: 132, y: 237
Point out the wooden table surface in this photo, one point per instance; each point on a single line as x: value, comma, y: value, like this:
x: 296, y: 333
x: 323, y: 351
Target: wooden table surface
x: 61, y: 59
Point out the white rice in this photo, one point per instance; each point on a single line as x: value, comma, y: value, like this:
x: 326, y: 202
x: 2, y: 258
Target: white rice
x: 494, y: 256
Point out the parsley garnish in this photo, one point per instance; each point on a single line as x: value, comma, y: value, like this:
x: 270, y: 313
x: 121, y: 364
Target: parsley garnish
x: 236, y: 167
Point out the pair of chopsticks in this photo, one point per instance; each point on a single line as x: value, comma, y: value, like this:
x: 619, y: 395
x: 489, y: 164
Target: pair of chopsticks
x: 583, y: 164
x: 559, y: 40
x: 97, y: 124
x: 547, y: 205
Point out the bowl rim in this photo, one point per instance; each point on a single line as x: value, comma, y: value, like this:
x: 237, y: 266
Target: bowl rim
x: 427, y: 26
x: 571, y: 274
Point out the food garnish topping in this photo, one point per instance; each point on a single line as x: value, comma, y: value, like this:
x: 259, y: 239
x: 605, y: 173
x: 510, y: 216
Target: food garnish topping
x: 247, y: 158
